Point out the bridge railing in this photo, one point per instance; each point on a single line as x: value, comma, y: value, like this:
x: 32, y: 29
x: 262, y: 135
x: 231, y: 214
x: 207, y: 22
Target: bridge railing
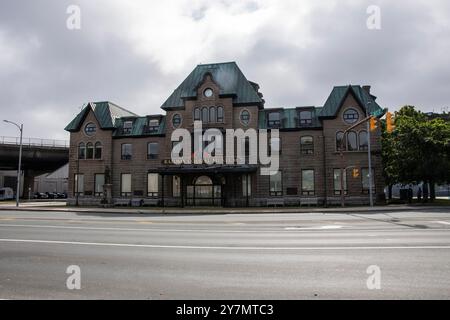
x: 34, y: 142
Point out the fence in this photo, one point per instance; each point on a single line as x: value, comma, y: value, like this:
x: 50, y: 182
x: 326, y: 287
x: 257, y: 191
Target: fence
x: 34, y: 142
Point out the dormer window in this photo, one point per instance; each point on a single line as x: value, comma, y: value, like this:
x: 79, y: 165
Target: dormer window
x: 127, y: 127
x: 153, y: 125
x: 305, y: 118
x: 273, y: 120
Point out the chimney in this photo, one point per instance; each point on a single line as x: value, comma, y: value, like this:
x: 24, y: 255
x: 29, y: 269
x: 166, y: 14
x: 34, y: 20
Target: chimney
x: 366, y: 88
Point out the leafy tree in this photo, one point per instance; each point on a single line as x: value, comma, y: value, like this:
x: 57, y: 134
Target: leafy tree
x: 418, y: 150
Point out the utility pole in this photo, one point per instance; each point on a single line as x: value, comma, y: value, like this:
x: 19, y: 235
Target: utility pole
x: 369, y: 155
x: 20, y: 127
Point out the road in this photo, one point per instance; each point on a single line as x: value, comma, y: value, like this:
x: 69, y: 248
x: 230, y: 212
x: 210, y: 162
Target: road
x: 240, y: 256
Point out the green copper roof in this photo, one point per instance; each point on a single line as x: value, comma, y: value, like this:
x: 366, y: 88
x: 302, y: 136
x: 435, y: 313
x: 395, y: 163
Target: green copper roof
x: 105, y: 112
x: 227, y: 75
x: 338, y: 95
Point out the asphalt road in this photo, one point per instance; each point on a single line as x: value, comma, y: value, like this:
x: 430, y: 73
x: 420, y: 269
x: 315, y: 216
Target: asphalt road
x: 247, y: 256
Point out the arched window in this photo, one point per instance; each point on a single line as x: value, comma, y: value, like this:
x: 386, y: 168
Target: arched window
x: 363, y: 143
x: 245, y: 117
x: 197, y: 114
x: 339, y: 141
x: 219, y: 114
x: 307, y: 145
x: 203, y: 180
x: 89, y: 150
x: 212, y: 114
x: 98, y: 150
x: 81, y: 151
x: 205, y: 115
x: 352, y: 141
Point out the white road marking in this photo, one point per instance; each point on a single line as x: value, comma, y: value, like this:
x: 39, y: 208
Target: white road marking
x: 442, y: 222
x: 314, y: 228
x: 220, y: 247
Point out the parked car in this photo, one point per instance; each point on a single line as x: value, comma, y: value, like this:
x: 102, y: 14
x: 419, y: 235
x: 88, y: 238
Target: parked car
x: 6, y: 193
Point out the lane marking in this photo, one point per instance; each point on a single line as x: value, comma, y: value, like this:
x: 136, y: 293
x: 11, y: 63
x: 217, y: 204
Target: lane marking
x: 314, y: 228
x: 107, y: 244
x: 442, y: 222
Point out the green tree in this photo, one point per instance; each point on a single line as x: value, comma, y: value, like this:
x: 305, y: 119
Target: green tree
x: 418, y: 150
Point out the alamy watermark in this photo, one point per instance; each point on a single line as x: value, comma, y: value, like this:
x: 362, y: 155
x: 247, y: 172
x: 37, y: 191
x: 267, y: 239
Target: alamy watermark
x: 73, y: 22
x: 73, y: 281
x: 373, y: 22
x: 208, y: 147
x: 374, y: 280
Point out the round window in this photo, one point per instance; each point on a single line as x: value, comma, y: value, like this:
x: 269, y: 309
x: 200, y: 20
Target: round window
x: 245, y: 117
x: 350, y: 116
x: 90, y: 129
x: 176, y: 120
x: 208, y: 93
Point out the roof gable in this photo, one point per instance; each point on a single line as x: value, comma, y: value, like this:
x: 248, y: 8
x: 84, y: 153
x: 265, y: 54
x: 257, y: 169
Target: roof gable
x: 227, y: 76
x: 105, y: 112
x: 337, y: 98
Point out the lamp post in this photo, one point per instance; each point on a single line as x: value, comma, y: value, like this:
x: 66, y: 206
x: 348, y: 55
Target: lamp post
x: 20, y: 127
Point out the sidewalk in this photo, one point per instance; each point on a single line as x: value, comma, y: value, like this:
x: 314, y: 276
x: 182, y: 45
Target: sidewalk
x: 61, y: 207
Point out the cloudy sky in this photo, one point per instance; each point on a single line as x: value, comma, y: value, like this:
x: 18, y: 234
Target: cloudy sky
x: 135, y: 53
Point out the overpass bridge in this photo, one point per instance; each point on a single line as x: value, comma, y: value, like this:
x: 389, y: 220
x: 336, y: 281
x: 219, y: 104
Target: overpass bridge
x: 39, y: 156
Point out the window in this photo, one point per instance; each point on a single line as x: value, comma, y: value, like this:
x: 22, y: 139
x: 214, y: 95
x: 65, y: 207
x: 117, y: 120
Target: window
x: 275, y: 145
x: 307, y: 145
x: 275, y: 184
x: 90, y: 129
x: 153, y: 125
x: 127, y: 127
x: 125, y: 184
x: 81, y: 151
x: 127, y: 151
x: 246, y: 185
x: 245, y: 117
x: 197, y: 114
x: 152, y: 150
x: 363, y: 143
x: 89, y: 150
x: 205, y: 115
x: 307, y: 182
x: 176, y: 120
x: 273, y: 119
x: 365, y: 180
x: 340, y: 146
x: 351, y: 141
x: 220, y: 114
x: 79, y: 184
x: 98, y: 150
x: 99, y: 182
x: 305, y: 118
x: 208, y: 93
x: 337, y: 182
x: 212, y: 114
x: 176, y: 186
x: 152, y: 185
x: 350, y: 116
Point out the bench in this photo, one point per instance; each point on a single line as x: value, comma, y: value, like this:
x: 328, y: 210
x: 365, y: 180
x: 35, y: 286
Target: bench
x: 275, y: 202
x: 150, y: 202
x: 136, y: 202
x: 309, y: 201
x: 121, y: 202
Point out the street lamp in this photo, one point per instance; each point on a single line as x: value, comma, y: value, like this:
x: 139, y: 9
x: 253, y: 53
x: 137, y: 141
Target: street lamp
x: 20, y: 127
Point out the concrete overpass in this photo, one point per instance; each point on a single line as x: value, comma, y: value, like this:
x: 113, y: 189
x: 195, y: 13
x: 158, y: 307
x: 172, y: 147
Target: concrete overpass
x: 39, y: 156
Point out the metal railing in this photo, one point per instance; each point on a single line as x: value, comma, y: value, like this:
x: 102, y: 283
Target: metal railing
x: 34, y: 142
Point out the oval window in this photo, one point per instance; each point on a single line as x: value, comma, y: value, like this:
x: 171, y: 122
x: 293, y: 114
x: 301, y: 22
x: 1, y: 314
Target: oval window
x: 176, y: 120
x: 90, y: 129
x: 245, y: 117
x: 208, y: 93
x: 351, y: 116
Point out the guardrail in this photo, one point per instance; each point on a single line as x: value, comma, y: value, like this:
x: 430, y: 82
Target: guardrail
x: 34, y: 142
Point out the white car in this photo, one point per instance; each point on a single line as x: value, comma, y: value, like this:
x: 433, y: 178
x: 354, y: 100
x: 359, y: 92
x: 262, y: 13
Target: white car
x: 6, y: 194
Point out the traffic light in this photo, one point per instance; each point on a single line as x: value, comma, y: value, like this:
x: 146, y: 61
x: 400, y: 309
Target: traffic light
x: 373, y: 123
x: 355, y: 173
x: 390, y: 126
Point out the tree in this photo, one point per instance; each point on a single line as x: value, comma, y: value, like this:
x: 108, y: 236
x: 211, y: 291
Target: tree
x: 417, y: 151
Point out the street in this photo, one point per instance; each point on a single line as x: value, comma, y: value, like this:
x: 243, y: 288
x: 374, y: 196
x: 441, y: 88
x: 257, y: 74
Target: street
x: 234, y: 256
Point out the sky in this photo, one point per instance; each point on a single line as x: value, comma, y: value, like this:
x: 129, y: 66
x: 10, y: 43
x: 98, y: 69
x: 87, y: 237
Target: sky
x: 135, y: 53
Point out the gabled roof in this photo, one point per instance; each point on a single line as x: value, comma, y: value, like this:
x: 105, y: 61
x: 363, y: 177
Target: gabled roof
x: 228, y: 77
x: 339, y: 93
x: 105, y: 112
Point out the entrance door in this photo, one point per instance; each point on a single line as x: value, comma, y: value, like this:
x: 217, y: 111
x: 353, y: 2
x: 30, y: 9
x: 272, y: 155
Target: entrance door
x: 204, y: 193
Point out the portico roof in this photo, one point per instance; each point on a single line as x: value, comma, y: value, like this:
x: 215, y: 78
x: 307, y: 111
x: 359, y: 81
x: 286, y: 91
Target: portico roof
x: 204, y: 169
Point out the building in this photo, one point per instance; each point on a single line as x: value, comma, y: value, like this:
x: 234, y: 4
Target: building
x: 56, y: 181
x: 118, y: 157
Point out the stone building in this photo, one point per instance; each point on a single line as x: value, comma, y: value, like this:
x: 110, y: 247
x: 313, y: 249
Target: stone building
x: 118, y: 157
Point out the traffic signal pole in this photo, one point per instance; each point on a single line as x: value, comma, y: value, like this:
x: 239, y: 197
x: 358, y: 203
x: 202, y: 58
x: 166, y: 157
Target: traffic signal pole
x: 369, y: 154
